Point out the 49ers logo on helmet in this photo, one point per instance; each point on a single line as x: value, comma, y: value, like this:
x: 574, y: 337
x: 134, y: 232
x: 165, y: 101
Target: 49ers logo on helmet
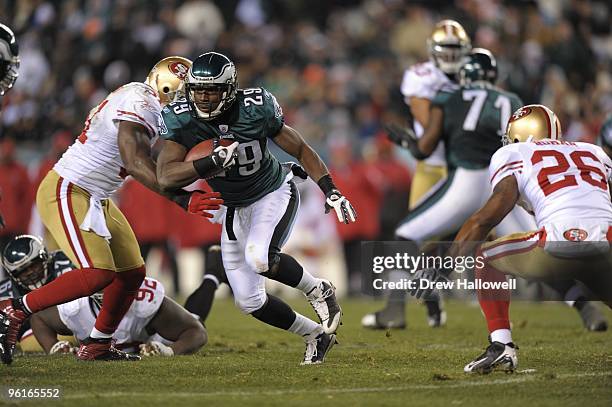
x: 179, y: 69
x: 575, y: 235
x: 522, y: 112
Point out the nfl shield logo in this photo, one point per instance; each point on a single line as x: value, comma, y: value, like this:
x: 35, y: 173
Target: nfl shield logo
x: 223, y: 128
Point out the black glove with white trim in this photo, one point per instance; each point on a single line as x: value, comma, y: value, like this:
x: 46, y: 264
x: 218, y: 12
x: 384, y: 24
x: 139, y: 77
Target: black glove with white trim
x: 405, y: 138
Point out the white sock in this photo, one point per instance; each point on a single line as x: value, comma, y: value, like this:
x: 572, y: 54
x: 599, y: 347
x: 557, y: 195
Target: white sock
x: 307, y: 283
x: 501, y: 335
x: 303, y: 326
x: 25, y: 303
x: 99, y: 335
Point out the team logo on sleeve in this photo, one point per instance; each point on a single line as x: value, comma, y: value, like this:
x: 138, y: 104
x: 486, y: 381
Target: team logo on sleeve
x: 223, y: 128
x: 161, y: 125
x: 179, y: 69
x: 575, y: 235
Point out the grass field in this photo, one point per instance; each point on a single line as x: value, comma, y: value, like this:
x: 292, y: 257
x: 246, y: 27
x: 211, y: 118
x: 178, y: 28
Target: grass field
x: 248, y: 363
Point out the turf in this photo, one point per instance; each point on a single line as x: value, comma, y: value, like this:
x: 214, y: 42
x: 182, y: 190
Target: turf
x: 248, y: 363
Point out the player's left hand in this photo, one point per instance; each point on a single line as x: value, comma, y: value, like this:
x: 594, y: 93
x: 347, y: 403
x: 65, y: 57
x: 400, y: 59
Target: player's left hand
x: 430, y: 275
x: 200, y: 202
x: 297, y: 170
x: 344, y: 210
x: 155, y: 348
x: 406, y: 138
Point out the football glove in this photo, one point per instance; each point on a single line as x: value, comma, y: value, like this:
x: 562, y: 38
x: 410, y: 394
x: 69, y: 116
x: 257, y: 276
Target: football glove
x: 406, y: 138
x: 225, y: 157
x: 155, y: 348
x: 430, y: 275
x: 297, y: 171
x: 198, y: 202
x: 62, y: 347
x: 344, y: 210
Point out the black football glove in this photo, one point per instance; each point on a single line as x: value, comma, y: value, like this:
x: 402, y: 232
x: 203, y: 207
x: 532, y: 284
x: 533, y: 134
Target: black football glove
x: 431, y: 275
x: 225, y: 157
x: 406, y: 138
x: 344, y: 210
x: 296, y: 169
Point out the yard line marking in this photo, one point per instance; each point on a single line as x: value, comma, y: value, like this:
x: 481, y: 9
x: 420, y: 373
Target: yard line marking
x: 241, y: 393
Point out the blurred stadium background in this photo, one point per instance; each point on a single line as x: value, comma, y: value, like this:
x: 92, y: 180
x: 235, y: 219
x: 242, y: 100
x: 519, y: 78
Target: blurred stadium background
x: 334, y: 66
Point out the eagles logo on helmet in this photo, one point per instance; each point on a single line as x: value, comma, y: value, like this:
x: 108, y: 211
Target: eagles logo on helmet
x: 9, y: 59
x: 26, y: 261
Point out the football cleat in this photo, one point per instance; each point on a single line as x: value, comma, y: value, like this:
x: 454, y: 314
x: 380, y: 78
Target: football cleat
x: 592, y: 318
x: 323, y: 300
x: 317, y: 347
x: 12, y: 316
x: 496, y: 356
x: 102, y: 349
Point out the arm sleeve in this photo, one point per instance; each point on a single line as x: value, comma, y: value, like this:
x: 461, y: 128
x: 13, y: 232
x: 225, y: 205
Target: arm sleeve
x: 169, y: 126
x: 506, y: 161
x: 140, y: 107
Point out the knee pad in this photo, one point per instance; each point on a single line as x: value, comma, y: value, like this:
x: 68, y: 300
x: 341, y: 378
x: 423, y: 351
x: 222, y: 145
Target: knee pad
x: 273, y: 266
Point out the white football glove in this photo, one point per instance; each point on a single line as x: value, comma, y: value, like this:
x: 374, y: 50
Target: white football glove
x: 62, y: 347
x: 155, y: 348
x: 225, y: 157
x: 344, y: 210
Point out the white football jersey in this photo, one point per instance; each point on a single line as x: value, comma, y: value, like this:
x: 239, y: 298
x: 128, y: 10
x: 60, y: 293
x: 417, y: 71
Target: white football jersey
x: 424, y: 80
x: 560, y: 182
x: 80, y: 315
x: 93, y: 162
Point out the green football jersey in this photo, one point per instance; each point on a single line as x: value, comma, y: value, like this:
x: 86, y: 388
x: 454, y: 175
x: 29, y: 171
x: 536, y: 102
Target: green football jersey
x: 475, y: 118
x: 254, y: 117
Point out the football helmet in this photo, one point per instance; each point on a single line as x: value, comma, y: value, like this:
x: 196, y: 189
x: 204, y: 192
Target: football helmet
x: 9, y: 59
x: 532, y: 123
x: 26, y: 260
x: 168, y: 78
x: 215, y: 73
x: 480, y: 66
x: 448, y: 46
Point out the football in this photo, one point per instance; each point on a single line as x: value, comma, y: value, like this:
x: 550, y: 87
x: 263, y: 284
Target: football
x: 205, y: 148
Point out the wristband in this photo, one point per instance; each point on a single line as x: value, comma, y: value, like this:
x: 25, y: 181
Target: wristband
x: 204, y: 166
x: 326, y: 184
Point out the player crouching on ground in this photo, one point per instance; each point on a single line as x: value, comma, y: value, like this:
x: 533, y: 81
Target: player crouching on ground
x: 566, y: 185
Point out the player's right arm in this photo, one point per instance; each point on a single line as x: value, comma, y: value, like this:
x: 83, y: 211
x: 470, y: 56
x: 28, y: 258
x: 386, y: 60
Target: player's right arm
x: 176, y: 324
x: 46, y: 325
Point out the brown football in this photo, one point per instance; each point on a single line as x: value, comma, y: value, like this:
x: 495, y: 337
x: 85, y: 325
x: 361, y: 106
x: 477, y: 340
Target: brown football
x: 205, y: 148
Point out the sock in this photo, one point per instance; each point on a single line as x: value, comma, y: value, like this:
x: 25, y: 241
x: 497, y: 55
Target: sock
x: 292, y: 274
x: 276, y: 313
x: 214, y: 263
x: 99, y: 335
x: 118, y: 296
x: 501, y: 335
x: 304, y: 326
x: 201, y: 300
x: 495, y: 304
x: 67, y: 287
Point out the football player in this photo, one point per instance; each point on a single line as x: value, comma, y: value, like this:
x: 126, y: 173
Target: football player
x: 29, y: 265
x: 448, y: 46
x: 154, y: 325
x: 9, y: 67
x: 566, y: 185
x: 75, y: 206
x: 259, y: 194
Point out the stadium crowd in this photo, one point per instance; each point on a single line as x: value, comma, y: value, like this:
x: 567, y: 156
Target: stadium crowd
x: 334, y: 66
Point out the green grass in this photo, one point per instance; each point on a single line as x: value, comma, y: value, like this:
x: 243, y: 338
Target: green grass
x: 248, y: 363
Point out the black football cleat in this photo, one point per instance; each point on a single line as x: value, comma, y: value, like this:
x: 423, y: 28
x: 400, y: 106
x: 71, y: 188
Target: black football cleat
x: 497, y: 356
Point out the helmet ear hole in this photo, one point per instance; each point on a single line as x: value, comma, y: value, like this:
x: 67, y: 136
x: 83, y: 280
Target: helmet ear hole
x: 166, y: 89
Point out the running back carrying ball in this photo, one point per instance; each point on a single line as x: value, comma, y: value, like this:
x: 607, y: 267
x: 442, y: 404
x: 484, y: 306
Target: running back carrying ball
x: 213, y: 156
